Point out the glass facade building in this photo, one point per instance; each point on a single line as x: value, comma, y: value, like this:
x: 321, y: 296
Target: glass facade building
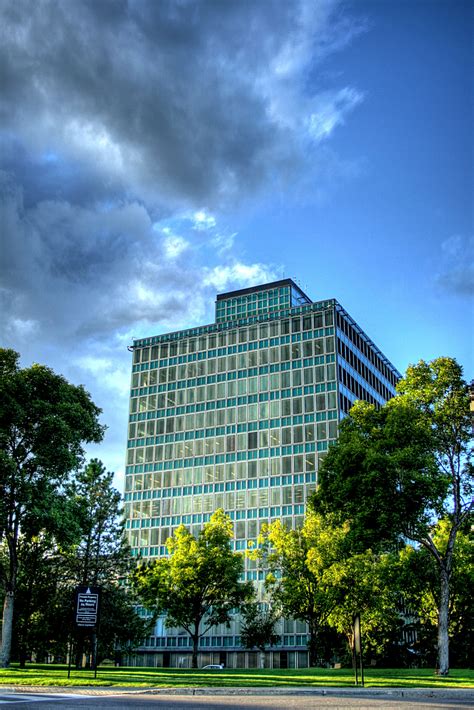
x: 237, y: 415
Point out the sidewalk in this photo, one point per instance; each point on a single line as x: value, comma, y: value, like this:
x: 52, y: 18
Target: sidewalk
x: 417, y: 694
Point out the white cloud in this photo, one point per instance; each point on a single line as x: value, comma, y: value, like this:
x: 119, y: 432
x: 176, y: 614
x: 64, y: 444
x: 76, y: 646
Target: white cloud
x: 330, y: 111
x: 457, y: 275
x: 238, y: 274
x: 203, y: 221
x: 174, y: 245
x: 223, y: 242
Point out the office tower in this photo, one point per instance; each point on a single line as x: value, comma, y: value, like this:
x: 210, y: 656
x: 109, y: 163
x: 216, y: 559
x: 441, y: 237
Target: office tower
x: 237, y: 415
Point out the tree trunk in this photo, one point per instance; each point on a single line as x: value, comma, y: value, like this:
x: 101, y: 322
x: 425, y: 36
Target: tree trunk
x: 313, y: 643
x: 443, y: 622
x: 7, y: 629
x: 195, y: 639
x: 261, y: 659
x: 22, y: 655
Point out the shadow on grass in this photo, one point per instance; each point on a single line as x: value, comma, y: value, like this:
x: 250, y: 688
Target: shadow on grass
x: 142, y: 677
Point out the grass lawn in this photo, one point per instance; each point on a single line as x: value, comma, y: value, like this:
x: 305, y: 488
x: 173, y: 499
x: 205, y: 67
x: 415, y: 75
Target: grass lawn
x: 56, y: 675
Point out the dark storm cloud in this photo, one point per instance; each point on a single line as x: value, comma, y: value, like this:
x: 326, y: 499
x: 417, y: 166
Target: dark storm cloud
x: 115, y: 114
x: 175, y: 99
x: 118, y: 117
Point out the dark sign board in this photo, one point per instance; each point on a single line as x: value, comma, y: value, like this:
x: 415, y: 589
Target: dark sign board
x: 86, y: 608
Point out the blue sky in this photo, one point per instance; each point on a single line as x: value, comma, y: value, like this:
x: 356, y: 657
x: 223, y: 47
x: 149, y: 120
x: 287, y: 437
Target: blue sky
x: 154, y: 154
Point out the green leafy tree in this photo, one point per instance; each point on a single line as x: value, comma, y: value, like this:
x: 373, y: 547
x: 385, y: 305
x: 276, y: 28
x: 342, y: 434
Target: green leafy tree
x: 198, y: 585
x: 419, y: 579
x: 297, y: 561
x: 102, y: 556
x: 258, y: 624
x: 366, y: 584
x: 97, y: 554
x: 44, y: 423
x: 396, y: 471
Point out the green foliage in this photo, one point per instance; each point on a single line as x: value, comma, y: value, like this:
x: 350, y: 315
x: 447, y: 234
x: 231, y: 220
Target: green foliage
x: 297, y: 561
x: 44, y: 423
x: 316, y: 578
x: 52, y: 567
x: 367, y: 584
x: 258, y: 626
x: 102, y: 554
x: 197, y: 586
x: 396, y: 471
x: 418, y: 576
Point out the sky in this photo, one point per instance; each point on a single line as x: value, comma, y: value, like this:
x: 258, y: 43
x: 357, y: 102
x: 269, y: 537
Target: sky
x: 154, y: 153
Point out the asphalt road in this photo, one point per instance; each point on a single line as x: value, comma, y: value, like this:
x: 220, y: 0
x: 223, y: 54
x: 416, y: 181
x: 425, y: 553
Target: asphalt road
x: 414, y: 700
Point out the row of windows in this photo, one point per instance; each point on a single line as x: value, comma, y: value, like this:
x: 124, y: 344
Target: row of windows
x: 263, y: 409
x: 361, y: 344
x: 297, y: 450
x: 231, y: 363
x: 232, y: 337
x: 262, y: 469
x: 355, y: 387
x: 183, y: 427
x: 136, y: 493
x: 200, y: 392
x: 252, y: 303
x: 351, y: 358
x: 232, y: 500
x: 150, y: 538
x: 234, y: 442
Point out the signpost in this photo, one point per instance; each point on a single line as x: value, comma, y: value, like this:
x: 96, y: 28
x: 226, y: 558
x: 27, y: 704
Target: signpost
x: 86, y: 617
x: 87, y: 607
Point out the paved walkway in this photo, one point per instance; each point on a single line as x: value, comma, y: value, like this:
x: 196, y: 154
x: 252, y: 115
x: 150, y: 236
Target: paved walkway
x: 421, y: 694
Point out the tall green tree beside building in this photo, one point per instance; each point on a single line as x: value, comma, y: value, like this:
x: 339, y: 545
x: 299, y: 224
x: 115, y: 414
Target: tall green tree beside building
x: 297, y: 562
x: 198, y: 585
x: 97, y: 554
x: 44, y: 423
x: 396, y: 471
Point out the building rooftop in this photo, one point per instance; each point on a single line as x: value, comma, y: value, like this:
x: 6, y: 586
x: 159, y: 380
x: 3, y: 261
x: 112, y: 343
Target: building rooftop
x: 265, y: 287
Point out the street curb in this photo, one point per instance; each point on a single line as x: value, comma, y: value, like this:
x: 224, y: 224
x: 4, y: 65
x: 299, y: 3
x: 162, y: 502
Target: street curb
x: 388, y: 693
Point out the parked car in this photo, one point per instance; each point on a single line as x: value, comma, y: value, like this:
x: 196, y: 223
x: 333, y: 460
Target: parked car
x: 213, y: 667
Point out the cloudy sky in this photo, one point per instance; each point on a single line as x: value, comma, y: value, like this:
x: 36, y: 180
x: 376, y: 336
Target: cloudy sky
x: 157, y: 152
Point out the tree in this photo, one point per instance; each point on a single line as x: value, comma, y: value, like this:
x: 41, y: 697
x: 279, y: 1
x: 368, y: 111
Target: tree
x: 102, y: 556
x: 97, y: 554
x: 396, y: 471
x: 258, y: 627
x: 419, y: 579
x: 366, y: 584
x: 297, y: 560
x: 197, y: 586
x: 44, y: 423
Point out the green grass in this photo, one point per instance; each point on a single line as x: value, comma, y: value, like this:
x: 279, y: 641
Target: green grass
x: 140, y: 677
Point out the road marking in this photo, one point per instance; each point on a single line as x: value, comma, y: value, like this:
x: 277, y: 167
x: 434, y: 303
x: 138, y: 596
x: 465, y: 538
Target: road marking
x: 6, y: 698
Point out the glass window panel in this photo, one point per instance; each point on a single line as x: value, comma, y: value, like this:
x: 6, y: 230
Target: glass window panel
x: 297, y: 405
x: 285, y: 380
x: 275, y: 409
x: 298, y: 464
